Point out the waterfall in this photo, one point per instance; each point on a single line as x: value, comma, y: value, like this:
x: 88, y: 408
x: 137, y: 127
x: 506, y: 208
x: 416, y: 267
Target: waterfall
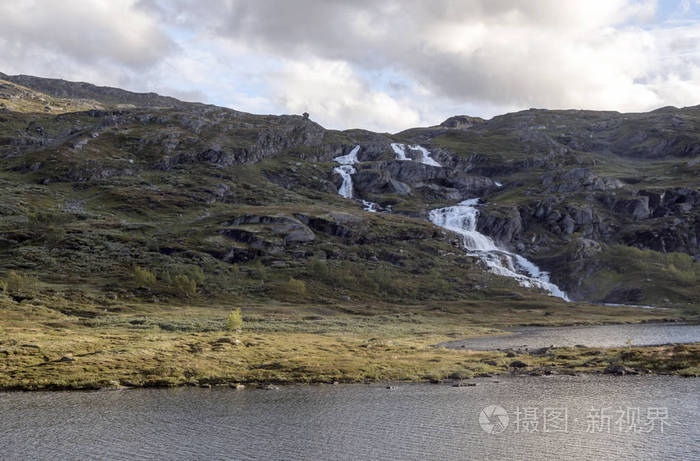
x: 461, y: 219
x: 400, y: 151
x: 346, y: 170
x: 426, y: 158
x: 349, y: 159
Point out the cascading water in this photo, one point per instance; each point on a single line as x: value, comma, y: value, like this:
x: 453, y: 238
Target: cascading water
x: 400, y: 151
x: 426, y: 158
x: 461, y: 219
x: 349, y: 159
x: 346, y: 170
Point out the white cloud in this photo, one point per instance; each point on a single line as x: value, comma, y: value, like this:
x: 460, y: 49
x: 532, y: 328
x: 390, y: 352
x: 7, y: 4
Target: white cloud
x: 83, y: 31
x: 336, y: 97
x: 378, y: 64
x: 579, y: 53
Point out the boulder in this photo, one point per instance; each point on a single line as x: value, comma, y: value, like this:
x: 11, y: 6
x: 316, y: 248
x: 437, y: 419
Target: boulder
x: 619, y: 370
x: 637, y: 208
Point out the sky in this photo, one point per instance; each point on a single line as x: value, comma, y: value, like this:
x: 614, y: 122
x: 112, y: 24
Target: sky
x: 384, y: 65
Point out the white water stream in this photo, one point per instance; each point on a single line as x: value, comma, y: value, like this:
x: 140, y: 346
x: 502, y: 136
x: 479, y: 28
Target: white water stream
x: 346, y: 170
x: 461, y: 219
x: 425, y: 158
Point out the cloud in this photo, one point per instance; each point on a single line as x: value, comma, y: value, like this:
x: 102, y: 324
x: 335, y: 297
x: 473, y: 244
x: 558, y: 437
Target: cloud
x: 379, y: 64
x: 339, y: 98
x: 579, y: 53
x: 79, y: 37
x: 85, y: 30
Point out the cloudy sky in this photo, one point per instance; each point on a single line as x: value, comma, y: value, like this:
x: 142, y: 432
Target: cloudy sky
x: 379, y: 64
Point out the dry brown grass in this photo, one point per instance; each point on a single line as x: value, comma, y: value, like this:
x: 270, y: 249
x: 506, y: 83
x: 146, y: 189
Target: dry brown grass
x: 41, y: 348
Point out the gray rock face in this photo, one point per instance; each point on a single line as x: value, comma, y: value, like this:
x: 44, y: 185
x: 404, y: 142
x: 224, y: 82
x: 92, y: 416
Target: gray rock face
x: 637, y: 208
x: 413, y: 172
x: 259, y: 230
x: 578, y: 180
x: 403, y: 177
x: 376, y: 180
x: 335, y: 227
x: 502, y: 227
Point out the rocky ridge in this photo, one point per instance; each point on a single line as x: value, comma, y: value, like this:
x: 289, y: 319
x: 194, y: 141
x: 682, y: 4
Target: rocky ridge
x: 567, y: 189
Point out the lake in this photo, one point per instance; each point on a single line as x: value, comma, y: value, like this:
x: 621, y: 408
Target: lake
x: 542, y: 418
x: 639, y: 334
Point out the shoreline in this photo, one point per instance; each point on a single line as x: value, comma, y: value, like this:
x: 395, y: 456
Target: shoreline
x: 389, y: 385
x: 562, y: 361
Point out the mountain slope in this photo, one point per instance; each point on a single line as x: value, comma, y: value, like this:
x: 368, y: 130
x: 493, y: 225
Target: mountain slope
x: 247, y: 206
x: 107, y: 96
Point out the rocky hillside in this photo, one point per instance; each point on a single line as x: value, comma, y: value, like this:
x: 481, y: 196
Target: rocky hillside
x: 101, y: 186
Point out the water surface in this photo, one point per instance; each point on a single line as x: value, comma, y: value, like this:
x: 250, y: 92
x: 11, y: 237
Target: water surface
x: 350, y: 422
x: 645, y: 334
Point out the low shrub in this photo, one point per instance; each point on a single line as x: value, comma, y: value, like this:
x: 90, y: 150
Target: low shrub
x: 19, y: 284
x: 294, y: 287
x: 143, y: 277
x: 184, y: 286
x: 234, y: 321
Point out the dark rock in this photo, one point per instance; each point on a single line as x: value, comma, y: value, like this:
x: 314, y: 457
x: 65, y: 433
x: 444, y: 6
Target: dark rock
x: 541, y: 351
x: 619, y: 370
x: 502, y: 226
x: 637, y: 207
x: 518, y: 364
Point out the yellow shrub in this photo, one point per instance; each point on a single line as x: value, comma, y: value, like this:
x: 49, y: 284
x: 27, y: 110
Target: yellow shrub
x: 184, y: 286
x: 294, y: 287
x: 234, y: 321
x: 143, y: 277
